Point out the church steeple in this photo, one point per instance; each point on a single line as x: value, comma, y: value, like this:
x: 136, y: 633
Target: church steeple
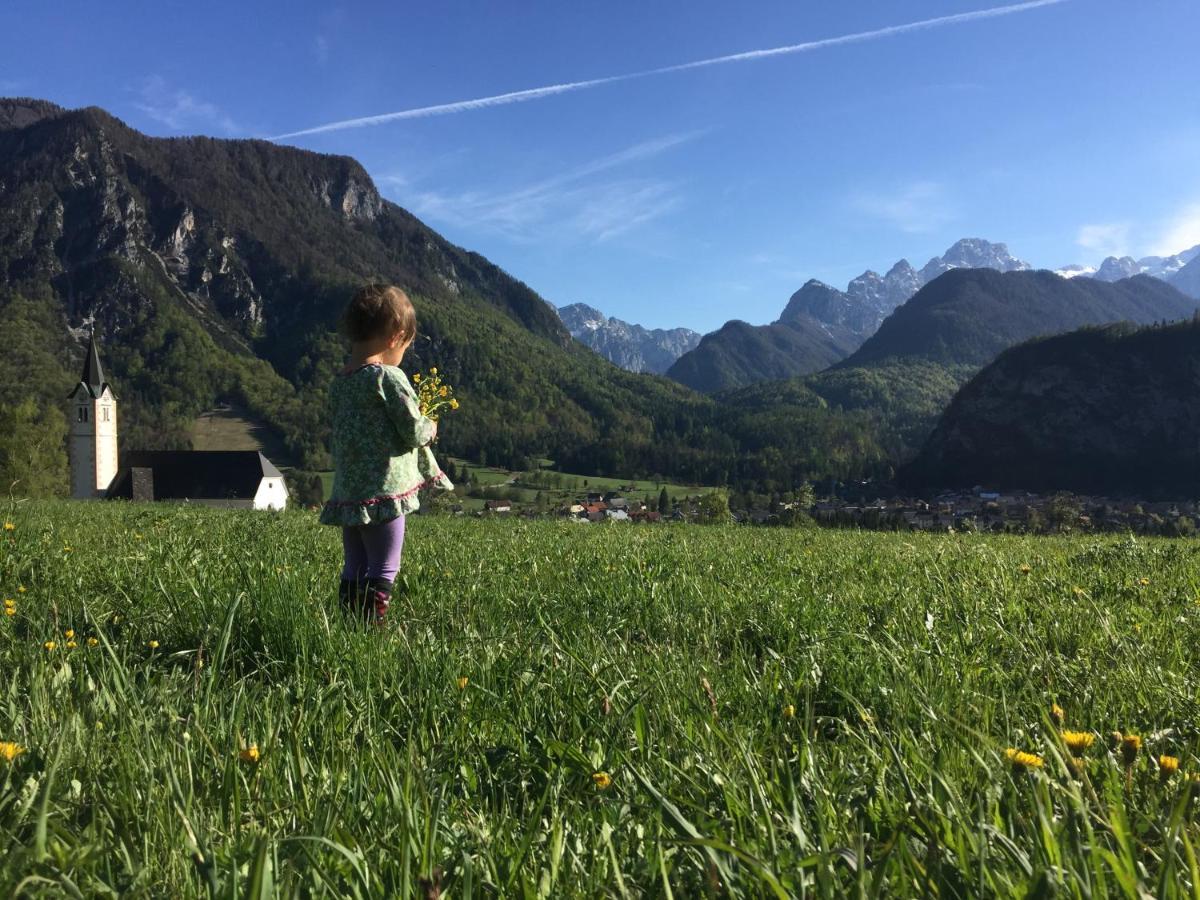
x: 93, y: 373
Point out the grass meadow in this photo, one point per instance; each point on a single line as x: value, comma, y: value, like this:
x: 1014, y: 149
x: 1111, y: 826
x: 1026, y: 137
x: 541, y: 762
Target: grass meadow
x: 616, y: 711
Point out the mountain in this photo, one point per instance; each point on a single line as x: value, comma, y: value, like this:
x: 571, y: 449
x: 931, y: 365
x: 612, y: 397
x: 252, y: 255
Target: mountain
x: 847, y: 318
x: 1105, y: 410
x: 1165, y: 267
x: 1187, y: 279
x: 631, y: 347
x: 967, y: 316
x: 972, y: 253
x: 214, y: 271
x: 738, y: 354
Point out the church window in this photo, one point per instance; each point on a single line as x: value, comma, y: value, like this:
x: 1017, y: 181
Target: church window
x: 106, y: 419
x: 82, y: 413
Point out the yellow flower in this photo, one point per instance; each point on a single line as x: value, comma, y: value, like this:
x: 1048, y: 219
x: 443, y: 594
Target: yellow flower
x: 1078, y: 742
x: 153, y: 645
x: 433, y: 371
x: 71, y: 645
x: 1130, y: 745
x: 602, y: 780
x: 442, y: 392
x: 462, y: 682
x: 92, y: 642
x: 1168, y: 766
x: 20, y: 588
x: 10, y: 750
x: 454, y: 404
x: 1056, y: 714
x: 1143, y: 581
x: 417, y: 377
x: 10, y: 610
x: 69, y: 633
x: 250, y: 754
x: 1022, y: 760
x: 1024, y: 570
x: 49, y: 645
x: 789, y: 711
x: 9, y: 526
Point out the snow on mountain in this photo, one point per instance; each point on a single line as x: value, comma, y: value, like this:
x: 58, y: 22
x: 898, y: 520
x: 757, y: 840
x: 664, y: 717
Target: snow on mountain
x: 1074, y: 270
x: 629, y: 346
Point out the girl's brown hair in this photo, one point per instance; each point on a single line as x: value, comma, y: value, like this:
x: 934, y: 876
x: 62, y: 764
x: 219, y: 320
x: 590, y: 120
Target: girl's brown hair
x: 379, y: 309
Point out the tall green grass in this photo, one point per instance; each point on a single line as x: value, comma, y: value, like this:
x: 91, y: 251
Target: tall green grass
x: 781, y: 713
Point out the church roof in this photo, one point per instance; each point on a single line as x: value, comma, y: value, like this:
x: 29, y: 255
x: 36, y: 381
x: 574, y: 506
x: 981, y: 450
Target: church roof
x: 195, y: 474
x: 92, y: 378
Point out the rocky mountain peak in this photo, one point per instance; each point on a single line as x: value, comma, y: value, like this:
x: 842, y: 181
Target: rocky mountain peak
x: 973, y: 253
x: 627, y: 345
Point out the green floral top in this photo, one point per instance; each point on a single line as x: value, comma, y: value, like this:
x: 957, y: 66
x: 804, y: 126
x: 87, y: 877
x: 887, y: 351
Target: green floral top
x: 380, y: 442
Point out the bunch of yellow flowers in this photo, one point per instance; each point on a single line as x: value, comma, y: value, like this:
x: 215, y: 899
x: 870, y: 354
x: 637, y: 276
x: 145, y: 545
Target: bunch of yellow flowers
x: 434, y: 395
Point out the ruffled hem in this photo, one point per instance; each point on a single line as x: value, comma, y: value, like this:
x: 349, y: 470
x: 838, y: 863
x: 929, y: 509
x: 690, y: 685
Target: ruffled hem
x: 380, y: 509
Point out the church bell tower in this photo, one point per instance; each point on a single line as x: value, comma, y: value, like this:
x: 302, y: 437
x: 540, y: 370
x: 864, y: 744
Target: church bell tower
x: 93, y: 420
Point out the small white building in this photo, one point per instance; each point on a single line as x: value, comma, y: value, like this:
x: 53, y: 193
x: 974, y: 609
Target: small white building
x: 93, y: 418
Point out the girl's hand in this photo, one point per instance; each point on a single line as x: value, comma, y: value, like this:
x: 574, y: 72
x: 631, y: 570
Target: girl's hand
x: 434, y: 438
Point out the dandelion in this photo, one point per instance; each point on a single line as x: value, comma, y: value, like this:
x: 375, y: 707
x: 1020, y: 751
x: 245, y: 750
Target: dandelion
x: 462, y: 682
x: 92, y: 642
x: 71, y: 645
x: 1143, y: 581
x: 1057, y: 716
x: 433, y: 371
x: 602, y: 780
x: 789, y: 711
x: 1130, y: 745
x: 10, y: 750
x: 49, y: 645
x: 417, y: 377
x: 1025, y: 570
x: 1021, y: 761
x: 1167, y: 766
x: 9, y: 526
x: 1078, y: 742
x: 250, y: 755
x: 454, y: 404
x: 153, y: 645
x: 20, y: 588
x: 69, y: 633
x: 10, y: 610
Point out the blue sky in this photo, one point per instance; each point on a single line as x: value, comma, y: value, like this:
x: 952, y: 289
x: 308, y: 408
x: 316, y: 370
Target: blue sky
x: 1069, y: 131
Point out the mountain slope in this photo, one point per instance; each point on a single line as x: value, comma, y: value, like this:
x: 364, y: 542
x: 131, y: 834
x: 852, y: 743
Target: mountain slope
x: 1105, y: 410
x: 631, y: 347
x: 738, y: 354
x: 967, y: 316
x: 847, y: 317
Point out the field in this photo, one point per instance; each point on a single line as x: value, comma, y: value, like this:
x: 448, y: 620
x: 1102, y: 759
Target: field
x: 615, y: 711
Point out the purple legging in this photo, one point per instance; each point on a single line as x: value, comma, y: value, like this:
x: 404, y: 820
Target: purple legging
x: 373, y: 551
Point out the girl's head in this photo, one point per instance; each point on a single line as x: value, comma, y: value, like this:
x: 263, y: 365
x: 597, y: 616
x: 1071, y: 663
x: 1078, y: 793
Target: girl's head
x: 381, y: 317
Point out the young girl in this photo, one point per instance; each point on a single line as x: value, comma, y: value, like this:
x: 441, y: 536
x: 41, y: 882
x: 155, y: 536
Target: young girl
x: 380, y: 444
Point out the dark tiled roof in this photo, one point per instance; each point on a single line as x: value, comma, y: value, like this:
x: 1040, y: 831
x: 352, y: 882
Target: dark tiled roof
x: 196, y: 474
x: 92, y: 378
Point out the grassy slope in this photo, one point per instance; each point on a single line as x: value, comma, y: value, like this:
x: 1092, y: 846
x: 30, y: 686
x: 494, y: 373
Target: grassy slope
x: 912, y: 663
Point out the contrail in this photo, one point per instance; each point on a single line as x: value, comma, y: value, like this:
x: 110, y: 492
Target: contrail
x: 550, y: 90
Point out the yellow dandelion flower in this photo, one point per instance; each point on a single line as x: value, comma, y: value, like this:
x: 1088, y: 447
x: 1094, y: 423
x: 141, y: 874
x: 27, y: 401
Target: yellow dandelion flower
x: 462, y: 682
x: 602, y: 780
x: 10, y: 610
x: 9, y: 526
x: 1022, y: 760
x: 1130, y: 745
x: 433, y: 371
x: 454, y: 404
x: 20, y: 588
x: 10, y: 750
x: 417, y: 376
x: 1168, y: 766
x: 71, y: 645
x: 1143, y: 581
x: 1078, y: 742
x: 153, y: 645
x: 69, y: 633
x: 9, y: 601
x: 92, y: 642
x: 1057, y: 716
x: 250, y: 754
x: 1025, y: 570
x: 789, y: 711
x: 50, y: 645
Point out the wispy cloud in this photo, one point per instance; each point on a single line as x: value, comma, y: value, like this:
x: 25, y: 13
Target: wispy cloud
x: 1104, y: 238
x: 915, y: 208
x: 1181, y: 232
x: 574, y: 202
x: 321, y: 49
x: 551, y: 90
x: 180, y: 110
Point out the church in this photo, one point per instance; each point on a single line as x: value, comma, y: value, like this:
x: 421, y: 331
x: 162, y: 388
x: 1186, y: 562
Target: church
x: 242, y: 479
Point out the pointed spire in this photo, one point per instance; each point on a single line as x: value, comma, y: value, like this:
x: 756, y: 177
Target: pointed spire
x: 93, y: 374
